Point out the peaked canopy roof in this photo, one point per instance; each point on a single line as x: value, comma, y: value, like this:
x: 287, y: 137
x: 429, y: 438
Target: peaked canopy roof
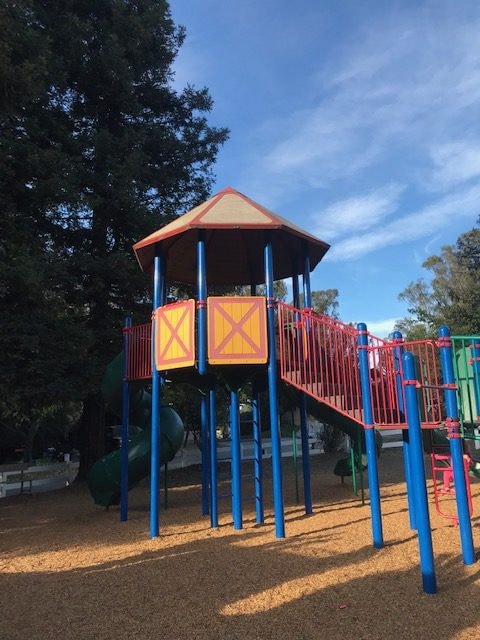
x: 235, y: 229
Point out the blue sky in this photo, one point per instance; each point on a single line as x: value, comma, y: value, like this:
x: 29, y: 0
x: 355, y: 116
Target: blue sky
x: 359, y: 121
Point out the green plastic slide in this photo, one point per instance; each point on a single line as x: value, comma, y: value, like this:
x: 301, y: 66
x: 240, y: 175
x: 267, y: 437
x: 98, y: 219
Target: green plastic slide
x: 104, y: 477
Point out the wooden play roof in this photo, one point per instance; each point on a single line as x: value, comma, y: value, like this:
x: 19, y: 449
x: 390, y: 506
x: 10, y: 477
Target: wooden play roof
x: 235, y: 229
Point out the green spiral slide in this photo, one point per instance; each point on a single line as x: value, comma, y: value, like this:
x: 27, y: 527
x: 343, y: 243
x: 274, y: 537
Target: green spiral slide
x: 104, y: 477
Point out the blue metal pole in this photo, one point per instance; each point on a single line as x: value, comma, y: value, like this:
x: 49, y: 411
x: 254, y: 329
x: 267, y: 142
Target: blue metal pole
x: 372, y: 467
x: 307, y: 489
x: 158, y: 267
x: 257, y: 446
x: 213, y: 461
x: 127, y: 325
x: 454, y: 435
x: 257, y: 456
x: 418, y: 475
x: 204, y: 428
x: 236, y: 465
x: 397, y: 354
x: 307, y: 292
x: 202, y: 303
x: 273, y: 396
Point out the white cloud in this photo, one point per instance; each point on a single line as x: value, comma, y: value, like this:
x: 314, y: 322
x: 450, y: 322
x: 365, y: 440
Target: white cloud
x: 454, y: 163
x: 357, y: 213
x: 381, y: 328
x: 403, y: 85
x: 404, y: 229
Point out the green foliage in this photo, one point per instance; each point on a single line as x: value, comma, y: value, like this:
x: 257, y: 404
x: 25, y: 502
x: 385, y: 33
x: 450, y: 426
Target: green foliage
x: 324, y: 301
x: 184, y: 292
x: 451, y: 297
x: 97, y: 150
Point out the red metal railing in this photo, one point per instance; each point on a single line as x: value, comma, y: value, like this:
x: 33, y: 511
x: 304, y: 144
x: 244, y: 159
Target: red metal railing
x: 319, y: 355
x: 386, y: 377
x: 139, y: 352
x: 443, y: 485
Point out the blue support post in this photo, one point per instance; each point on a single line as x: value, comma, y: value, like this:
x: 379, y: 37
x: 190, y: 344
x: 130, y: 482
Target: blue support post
x: 202, y: 358
x: 201, y: 303
x: 307, y: 489
x: 213, y: 461
x: 296, y: 291
x: 418, y: 476
x: 257, y: 456
x: 273, y: 396
x: 257, y: 446
x: 307, y: 292
x: 372, y: 466
x: 236, y: 464
x: 397, y: 354
x: 127, y: 325
x: 302, y: 398
x: 454, y: 435
x: 158, y: 279
x: 204, y: 428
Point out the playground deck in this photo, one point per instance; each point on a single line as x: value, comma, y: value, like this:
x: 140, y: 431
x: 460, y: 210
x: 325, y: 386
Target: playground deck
x: 71, y: 570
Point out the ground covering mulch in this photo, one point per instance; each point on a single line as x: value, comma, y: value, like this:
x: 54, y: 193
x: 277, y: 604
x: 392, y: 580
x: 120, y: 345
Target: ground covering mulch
x: 70, y: 570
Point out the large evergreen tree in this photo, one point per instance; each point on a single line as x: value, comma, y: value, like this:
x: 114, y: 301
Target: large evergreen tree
x: 36, y: 375
x: 113, y: 152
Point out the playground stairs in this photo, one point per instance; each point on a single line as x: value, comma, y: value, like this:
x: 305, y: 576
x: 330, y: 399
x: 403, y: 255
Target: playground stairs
x: 392, y: 439
x: 321, y: 356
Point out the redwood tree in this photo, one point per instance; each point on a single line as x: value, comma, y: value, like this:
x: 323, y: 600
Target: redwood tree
x: 127, y: 151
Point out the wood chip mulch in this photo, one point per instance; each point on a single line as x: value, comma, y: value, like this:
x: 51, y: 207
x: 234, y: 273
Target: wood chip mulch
x: 71, y: 570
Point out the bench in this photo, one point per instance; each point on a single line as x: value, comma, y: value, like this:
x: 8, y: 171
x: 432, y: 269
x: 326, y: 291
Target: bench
x: 16, y: 473
x: 25, y: 474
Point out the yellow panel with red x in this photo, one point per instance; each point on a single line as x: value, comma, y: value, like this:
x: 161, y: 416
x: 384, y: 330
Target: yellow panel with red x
x: 237, y: 330
x: 175, y: 335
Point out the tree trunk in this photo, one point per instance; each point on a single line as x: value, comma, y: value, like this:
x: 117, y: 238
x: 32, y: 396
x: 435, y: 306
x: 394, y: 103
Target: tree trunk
x: 92, y: 432
x: 32, y: 432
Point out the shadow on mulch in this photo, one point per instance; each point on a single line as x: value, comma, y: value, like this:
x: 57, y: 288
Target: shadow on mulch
x: 323, y: 581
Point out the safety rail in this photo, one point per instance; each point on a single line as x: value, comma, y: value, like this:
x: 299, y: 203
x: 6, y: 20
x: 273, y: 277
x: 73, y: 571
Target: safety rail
x: 319, y: 355
x: 386, y: 376
x: 139, y: 352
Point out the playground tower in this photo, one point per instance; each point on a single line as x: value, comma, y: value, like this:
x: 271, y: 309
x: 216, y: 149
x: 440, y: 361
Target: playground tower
x: 227, y: 240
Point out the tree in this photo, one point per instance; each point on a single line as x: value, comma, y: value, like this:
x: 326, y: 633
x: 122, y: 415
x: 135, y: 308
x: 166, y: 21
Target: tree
x: 40, y: 340
x: 324, y: 301
x: 125, y: 153
x: 452, y: 295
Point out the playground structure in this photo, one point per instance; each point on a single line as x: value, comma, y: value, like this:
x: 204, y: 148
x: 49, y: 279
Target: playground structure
x: 354, y: 378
